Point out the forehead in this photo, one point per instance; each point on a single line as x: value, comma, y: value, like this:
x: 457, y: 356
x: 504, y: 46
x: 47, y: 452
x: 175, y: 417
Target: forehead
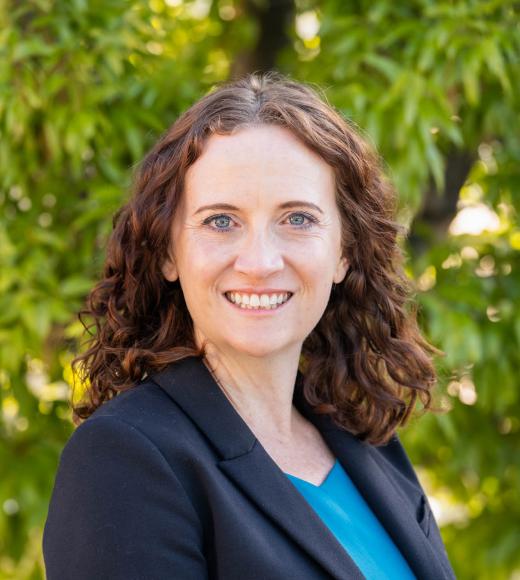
x: 266, y: 162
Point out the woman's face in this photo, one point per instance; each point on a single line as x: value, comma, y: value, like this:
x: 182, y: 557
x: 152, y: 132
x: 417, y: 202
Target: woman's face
x: 258, y: 225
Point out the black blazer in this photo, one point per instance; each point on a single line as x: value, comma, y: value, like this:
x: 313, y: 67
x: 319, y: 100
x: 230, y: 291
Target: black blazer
x: 166, y: 481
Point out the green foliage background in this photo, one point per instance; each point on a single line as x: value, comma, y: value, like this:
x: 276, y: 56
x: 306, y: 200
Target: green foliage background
x: 87, y: 86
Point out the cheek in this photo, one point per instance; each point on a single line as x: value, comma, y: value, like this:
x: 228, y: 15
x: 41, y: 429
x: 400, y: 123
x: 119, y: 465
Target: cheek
x: 202, y: 259
x: 316, y: 262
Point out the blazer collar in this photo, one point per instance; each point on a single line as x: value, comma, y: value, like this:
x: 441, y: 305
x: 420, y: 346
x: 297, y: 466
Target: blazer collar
x: 189, y: 383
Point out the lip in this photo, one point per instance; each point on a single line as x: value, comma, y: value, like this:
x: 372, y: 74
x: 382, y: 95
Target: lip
x: 260, y: 291
x: 259, y: 312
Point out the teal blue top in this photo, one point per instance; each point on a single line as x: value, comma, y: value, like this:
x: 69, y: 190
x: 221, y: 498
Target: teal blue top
x: 342, y: 508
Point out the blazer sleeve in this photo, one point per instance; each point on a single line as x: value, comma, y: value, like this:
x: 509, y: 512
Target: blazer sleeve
x: 118, y: 511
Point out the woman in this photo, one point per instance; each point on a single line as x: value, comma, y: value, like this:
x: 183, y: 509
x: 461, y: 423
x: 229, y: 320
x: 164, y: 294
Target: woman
x: 253, y: 322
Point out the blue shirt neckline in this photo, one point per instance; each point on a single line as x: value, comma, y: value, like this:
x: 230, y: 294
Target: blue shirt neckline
x: 322, y: 484
x: 343, y: 509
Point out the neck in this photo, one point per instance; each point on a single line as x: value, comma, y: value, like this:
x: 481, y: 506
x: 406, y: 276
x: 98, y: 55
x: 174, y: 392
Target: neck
x: 260, y: 388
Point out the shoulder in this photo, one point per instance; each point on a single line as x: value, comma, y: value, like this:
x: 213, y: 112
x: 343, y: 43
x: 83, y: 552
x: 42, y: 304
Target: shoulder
x: 132, y: 442
x: 142, y: 426
x: 115, y: 488
x: 144, y: 401
x: 144, y: 409
x: 120, y: 428
x: 395, y: 460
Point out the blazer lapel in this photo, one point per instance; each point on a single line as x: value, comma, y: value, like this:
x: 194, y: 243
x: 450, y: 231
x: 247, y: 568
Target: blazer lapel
x: 243, y: 459
x: 270, y: 489
x: 394, y: 510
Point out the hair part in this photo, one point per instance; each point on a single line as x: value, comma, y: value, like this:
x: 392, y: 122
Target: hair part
x: 366, y: 363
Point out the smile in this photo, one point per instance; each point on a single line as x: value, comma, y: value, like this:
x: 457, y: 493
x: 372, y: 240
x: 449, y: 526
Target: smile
x: 258, y: 301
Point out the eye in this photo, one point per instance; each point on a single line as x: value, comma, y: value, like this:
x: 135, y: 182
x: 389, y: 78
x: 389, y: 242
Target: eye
x: 221, y: 222
x: 299, y: 220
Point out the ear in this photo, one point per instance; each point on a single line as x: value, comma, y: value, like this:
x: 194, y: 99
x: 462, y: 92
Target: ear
x: 169, y: 270
x: 341, y: 270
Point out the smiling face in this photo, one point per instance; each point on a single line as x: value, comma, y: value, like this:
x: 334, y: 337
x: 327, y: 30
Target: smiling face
x: 256, y: 242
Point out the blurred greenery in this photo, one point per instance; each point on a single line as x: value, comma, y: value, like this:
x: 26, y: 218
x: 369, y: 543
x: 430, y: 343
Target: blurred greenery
x: 87, y: 86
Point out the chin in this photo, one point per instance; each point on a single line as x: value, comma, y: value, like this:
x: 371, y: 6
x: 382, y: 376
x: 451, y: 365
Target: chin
x: 261, y: 347
x: 255, y: 350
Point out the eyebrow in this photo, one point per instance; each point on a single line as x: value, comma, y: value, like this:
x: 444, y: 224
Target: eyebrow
x: 285, y: 205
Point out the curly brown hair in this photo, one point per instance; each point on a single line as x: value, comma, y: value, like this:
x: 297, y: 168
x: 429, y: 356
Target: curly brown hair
x: 365, y: 363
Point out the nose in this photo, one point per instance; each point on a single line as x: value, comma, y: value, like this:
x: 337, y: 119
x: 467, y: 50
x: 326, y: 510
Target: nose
x: 259, y: 255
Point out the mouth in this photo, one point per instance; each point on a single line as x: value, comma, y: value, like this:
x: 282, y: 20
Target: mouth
x: 260, y: 302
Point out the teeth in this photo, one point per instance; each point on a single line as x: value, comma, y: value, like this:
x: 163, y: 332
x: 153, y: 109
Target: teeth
x: 256, y: 301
